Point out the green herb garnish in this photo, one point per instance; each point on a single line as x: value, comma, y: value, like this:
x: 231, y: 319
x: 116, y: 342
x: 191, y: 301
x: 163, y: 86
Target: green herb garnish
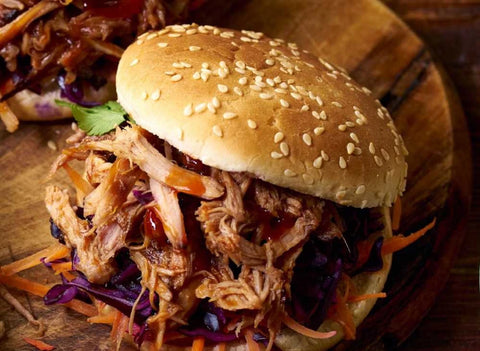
x: 97, y: 120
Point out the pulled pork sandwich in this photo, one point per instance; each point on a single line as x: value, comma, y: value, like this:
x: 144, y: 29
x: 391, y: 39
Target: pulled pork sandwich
x: 70, y: 49
x: 242, y: 202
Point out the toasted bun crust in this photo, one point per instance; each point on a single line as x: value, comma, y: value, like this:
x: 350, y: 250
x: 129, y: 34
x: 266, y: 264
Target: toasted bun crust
x: 240, y: 101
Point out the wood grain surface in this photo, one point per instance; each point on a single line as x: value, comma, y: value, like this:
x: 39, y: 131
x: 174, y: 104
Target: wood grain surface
x: 382, y: 53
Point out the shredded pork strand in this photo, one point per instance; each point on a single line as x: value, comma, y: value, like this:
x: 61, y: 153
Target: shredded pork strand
x: 251, y: 265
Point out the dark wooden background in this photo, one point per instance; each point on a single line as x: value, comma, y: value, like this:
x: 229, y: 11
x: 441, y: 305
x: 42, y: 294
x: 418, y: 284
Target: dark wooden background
x: 451, y: 28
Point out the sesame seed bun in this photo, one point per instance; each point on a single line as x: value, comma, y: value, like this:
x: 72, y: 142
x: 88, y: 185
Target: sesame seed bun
x: 240, y: 101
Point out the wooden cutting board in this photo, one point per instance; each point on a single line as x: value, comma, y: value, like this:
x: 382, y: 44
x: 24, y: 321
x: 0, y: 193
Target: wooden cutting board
x: 381, y: 53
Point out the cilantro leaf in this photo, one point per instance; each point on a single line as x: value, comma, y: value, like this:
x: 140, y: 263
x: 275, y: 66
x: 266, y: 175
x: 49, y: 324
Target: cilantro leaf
x: 97, y: 120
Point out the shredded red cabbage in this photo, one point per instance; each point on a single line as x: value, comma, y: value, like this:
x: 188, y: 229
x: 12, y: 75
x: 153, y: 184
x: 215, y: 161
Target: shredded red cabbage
x: 74, y: 92
x: 144, y: 197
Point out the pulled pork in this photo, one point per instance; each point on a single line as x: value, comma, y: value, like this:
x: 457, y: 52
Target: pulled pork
x: 194, y: 232
x: 79, y: 40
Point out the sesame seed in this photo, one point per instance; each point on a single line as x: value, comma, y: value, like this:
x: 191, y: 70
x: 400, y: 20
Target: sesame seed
x: 283, y: 85
x: 350, y: 148
x: 217, y: 131
x: 317, y: 163
x: 359, y: 121
x: 196, y: 75
x: 337, y: 104
x: 275, y: 155
x: 360, y: 115
x: 307, y: 139
x: 177, y: 65
x: 222, y: 88
x: 357, y: 151
x: 350, y: 124
x: 340, y: 194
x: 156, y: 95
x: 354, y: 137
x: 266, y: 96
x: 204, y: 76
x: 397, y: 151
x: 289, y: 173
x: 51, y: 145
x: 385, y: 154
x: 151, y: 36
x: 240, y: 64
x: 243, y: 81
x: 305, y: 108
x: 324, y: 155
x: 342, y: 127
x: 200, y: 107
x: 252, y: 124
x: 307, y: 178
x: 273, y: 43
x: 371, y: 148
x: 216, y: 102
x: 398, y: 160
x: 332, y: 75
x: 169, y: 73
x: 277, y: 79
x: 191, y: 31
x: 227, y: 35
x: 270, y: 62
x: 366, y: 90
x: 238, y: 91
x: 316, y: 114
x: 284, y: 148
x: 260, y: 83
x: 360, y: 190
x: 176, y: 78
x: 378, y: 161
x: 319, y: 101
x: 323, y: 115
x: 180, y: 133
x: 278, y: 137
x: 230, y: 115
x: 364, y: 203
x: 144, y: 95
x: 178, y: 28
x: 134, y: 62
x: 296, y: 96
x: 280, y: 91
x: 174, y: 35
x: 188, y: 110
x: 319, y: 130
x: 284, y: 103
x: 255, y: 87
x: 342, y: 163
x: 139, y: 42
x: 270, y: 82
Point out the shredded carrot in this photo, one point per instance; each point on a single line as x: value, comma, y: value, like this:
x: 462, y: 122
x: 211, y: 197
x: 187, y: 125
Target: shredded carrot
x: 295, y: 326
x: 349, y: 286
x: 30, y: 261
x: 222, y: 346
x: 344, y: 316
x: 20, y: 283
x: 68, y: 276
x: 107, y: 318
x: 39, y: 345
x: 399, y: 242
x: 198, y: 343
x: 251, y: 343
x: 119, y: 327
x: 8, y: 117
x: 396, y: 214
x: 62, y: 267
x: 364, y: 248
x: 366, y: 297
x: 62, y: 252
x: 38, y: 289
x: 81, y: 185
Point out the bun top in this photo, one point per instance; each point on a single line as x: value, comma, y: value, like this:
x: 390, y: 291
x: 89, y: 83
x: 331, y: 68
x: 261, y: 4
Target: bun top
x: 240, y: 101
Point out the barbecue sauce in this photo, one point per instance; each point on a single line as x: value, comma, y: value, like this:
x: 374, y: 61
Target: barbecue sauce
x: 187, y: 183
x: 113, y: 8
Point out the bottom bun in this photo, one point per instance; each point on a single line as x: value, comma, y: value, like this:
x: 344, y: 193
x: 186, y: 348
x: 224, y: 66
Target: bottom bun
x: 365, y: 283
x: 30, y: 106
